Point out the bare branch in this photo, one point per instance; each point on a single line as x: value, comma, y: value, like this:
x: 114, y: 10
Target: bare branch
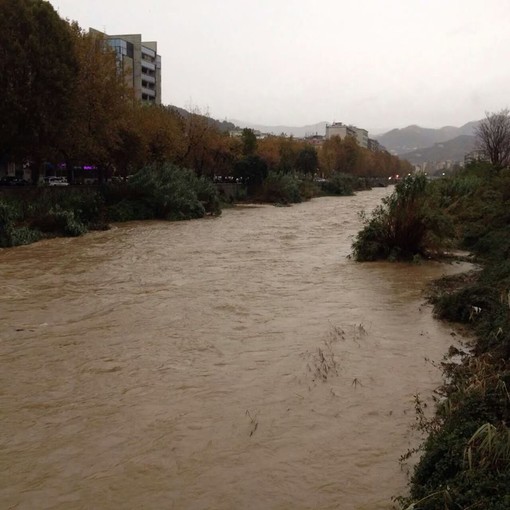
x: 493, y: 137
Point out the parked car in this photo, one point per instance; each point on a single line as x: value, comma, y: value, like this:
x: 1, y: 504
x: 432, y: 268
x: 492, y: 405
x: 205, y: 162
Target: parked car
x: 11, y: 180
x: 56, y: 181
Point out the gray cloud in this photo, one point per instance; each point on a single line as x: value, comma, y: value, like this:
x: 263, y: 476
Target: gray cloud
x: 373, y: 63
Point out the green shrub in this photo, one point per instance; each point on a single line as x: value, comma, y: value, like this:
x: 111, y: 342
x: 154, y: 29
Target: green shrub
x: 23, y: 235
x: 408, y: 223
x: 340, y: 184
x: 208, y: 195
x: 172, y: 193
x: 309, y: 189
x: 67, y: 223
x: 280, y: 188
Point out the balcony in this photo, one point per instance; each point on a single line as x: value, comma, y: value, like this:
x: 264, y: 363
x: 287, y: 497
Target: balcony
x: 148, y: 65
x: 149, y: 52
x: 148, y: 92
x: 148, y: 78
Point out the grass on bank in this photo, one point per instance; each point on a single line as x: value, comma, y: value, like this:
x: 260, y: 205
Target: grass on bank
x: 465, y: 460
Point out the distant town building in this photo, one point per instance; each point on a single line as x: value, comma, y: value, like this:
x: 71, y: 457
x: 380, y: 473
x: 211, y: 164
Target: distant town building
x: 238, y: 133
x: 341, y: 130
x: 476, y: 155
x: 315, y: 140
x: 140, y: 62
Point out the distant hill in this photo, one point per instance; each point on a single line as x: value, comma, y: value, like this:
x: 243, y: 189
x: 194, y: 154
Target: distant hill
x: 411, y: 138
x: 453, y: 150
x: 222, y: 125
x: 298, y: 132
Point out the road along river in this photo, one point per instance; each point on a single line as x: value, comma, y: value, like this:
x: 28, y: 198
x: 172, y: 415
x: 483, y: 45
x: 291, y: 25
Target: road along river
x: 241, y: 362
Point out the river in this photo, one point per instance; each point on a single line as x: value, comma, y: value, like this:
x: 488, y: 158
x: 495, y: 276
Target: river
x: 239, y: 362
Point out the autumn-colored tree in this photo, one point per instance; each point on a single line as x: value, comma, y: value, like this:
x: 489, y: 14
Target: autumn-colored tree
x: 351, y: 152
x: 289, y: 150
x: 331, y: 155
x: 222, y: 154
x: 130, y: 153
x: 198, y: 129
x: 163, y: 133
x: 37, y: 80
x: 269, y: 150
x: 100, y: 107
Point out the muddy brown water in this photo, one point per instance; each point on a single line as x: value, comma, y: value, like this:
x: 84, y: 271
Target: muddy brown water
x: 242, y: 362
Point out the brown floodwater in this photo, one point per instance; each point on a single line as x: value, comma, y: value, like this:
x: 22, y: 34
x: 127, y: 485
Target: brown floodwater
x: 240, y: 362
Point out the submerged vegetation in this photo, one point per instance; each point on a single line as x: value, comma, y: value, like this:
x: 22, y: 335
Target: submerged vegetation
x: 465, y: 460
x: 409, y: 223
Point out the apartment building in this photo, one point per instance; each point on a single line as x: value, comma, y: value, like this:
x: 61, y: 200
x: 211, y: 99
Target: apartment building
x: 140, y: 62
x: 341, y: 130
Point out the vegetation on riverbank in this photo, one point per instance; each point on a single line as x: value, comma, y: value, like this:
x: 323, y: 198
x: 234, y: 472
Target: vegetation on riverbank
x: 465, y: 460
x: 156, y: 192
x: 408, y: 224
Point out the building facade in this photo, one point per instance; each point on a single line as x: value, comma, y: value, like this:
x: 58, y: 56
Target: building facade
x: 140, y: 63
x: 341, y: 130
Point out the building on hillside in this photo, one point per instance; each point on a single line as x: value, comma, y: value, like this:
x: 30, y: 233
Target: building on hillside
x: 341, y: 130
x: 140, y: 62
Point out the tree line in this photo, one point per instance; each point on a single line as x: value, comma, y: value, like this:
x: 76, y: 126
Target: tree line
x: 64, y: 101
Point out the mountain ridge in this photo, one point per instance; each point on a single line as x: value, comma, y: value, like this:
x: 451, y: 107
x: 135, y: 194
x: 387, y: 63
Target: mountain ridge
x: 411, y: 138
x: 450, y: 150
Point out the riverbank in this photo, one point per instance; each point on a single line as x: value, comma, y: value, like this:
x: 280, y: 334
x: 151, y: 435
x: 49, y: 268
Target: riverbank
x: 159, y: 192
x: 465, y: 461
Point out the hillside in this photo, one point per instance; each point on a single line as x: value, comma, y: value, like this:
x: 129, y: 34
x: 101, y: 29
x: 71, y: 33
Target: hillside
x: 453, y: 150
x: 409, y: 139
x: 222, y: 125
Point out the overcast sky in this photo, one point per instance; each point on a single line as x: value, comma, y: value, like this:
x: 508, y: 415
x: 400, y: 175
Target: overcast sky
x: 373, y: 63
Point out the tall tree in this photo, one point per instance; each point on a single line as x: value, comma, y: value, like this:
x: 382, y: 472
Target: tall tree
x: 252, y: 170
x: 100, y: 107
x: 307, y: 160
x: 249, y: 142
x: 493, y: 137
x: 38, y: 67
